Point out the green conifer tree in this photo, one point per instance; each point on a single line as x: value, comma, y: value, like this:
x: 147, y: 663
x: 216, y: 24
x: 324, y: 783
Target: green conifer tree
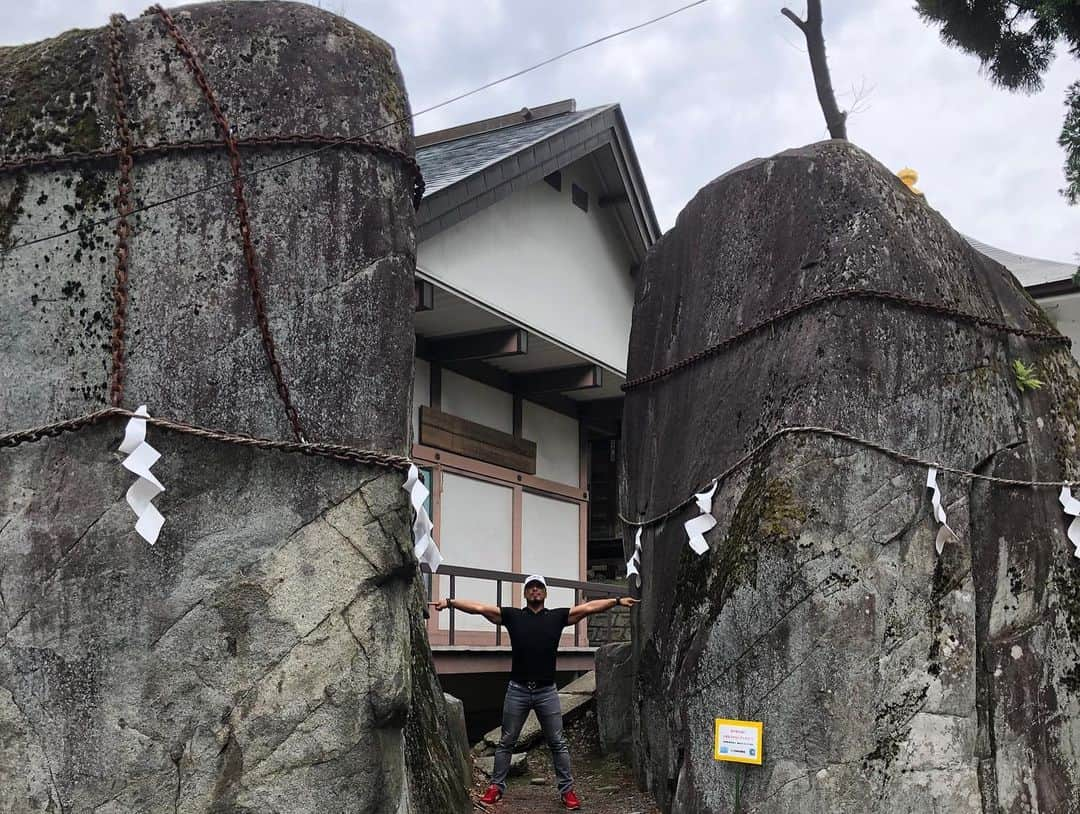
x: 1015, y: 41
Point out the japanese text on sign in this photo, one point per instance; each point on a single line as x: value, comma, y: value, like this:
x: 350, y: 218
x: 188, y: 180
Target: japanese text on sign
x: 738, y: 741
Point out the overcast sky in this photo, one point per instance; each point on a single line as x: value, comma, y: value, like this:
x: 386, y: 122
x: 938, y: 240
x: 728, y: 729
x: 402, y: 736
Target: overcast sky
x: 722, y: 83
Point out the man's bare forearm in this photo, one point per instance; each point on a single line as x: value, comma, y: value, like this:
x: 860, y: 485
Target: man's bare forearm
x: 579, y: 612
x: 597, y: 606
x: 472, y: 606
x: 489, y: 612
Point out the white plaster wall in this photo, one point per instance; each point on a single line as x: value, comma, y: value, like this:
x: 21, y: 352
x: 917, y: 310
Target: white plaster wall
x: 1064, y: 312
x: 476, y: 530
x: 421, y: 393
x: 540, y: 260
x: 477, y: 402
x: 558, y: 456
x: 549, y: 543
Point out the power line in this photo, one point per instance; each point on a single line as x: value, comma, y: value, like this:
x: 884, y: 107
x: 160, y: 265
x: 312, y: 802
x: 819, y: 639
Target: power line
x: 198, y: 191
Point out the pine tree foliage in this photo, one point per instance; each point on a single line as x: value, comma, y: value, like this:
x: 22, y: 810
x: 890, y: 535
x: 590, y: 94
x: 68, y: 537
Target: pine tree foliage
x: 1070, y: 140
x: 1015, y: 41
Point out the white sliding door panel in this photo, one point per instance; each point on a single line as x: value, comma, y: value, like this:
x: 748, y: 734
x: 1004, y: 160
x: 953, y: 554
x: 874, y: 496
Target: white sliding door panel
x: 549, y: 543
x: 476, y: 531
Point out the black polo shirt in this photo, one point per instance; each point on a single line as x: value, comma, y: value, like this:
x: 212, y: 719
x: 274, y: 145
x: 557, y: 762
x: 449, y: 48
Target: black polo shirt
x: 534, y: 639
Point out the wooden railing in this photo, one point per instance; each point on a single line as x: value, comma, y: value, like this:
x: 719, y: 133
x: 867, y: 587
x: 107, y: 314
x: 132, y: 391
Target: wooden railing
x: 583, y: 591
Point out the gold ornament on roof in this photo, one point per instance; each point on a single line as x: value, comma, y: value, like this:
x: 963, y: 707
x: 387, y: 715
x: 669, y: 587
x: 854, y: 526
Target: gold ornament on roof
x: 909, y: 177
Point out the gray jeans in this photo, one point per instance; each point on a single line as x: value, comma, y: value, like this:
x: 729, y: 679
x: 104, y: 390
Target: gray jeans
x: 519, y: 700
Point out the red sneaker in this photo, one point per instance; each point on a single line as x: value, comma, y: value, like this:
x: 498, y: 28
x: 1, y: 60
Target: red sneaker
x: 492, y: 795
x: 571, y: 801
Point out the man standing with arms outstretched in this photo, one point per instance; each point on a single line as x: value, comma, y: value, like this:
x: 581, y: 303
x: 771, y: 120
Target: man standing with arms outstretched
x: 534, y: 640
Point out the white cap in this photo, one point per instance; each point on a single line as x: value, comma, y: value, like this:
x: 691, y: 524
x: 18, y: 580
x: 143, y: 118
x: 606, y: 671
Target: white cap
x: 536, y: 578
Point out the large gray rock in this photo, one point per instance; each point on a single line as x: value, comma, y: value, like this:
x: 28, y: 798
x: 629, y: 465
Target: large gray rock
x: 889, y: 679
x: 459, y: 736
x: 268, y: 654
x: 519, y: 764
x: 615, y: 696
x: 340, y: 221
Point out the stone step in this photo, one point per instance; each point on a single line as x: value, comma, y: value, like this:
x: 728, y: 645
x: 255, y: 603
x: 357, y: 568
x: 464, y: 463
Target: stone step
x: 584, y: 684
x: 574, y: 699
x: 519, y: 764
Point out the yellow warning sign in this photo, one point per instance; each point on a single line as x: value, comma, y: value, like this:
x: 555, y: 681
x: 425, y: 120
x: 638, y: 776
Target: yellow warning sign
x: 738, y: 741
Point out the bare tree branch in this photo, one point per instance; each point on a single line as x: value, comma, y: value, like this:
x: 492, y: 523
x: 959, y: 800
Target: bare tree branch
x: 859, y: 98
x: 835, y: 118
x: 791, y: 15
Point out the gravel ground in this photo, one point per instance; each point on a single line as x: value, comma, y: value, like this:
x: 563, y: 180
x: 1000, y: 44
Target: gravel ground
x: 604, y: 784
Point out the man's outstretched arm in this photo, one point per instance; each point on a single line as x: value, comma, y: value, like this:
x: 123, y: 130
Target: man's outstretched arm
x: 489, y: 612
x: 579, y: 612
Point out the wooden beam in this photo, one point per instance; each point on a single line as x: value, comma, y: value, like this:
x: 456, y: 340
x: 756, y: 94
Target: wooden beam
x: 435, y: 385
x: 423, y: 296
x: 560, y: 380
x: 484, y: 373
x: 517, y: 534
x: 603, y: 409
x: 519, y: 415
x: 602, y: 430
x: 501, y: 380
x: 458, y: 435
x: 495, y: 474
x: 612, y: 200
x: 602, y: 417
x: 557, y: 402
x: 487, y: 345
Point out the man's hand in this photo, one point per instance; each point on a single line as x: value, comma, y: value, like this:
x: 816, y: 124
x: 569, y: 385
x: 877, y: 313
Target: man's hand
x: 579, y: 612
x: 441, y: 605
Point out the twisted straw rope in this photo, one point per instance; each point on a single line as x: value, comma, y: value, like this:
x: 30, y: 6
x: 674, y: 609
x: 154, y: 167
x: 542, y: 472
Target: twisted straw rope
x: 338, y: 452
x: 845, y: 436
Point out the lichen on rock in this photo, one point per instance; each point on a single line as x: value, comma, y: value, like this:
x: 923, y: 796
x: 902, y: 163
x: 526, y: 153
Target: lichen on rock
x: 48, y: 97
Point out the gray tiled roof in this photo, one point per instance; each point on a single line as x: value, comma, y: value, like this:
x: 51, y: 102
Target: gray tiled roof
x: 1029, y: 271
x: 447, y: 163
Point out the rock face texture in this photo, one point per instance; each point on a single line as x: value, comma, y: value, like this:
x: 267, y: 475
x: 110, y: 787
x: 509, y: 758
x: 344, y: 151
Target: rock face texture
x: 459, y: 735
x: 888, y: 678
x: 614, y: 689
x: 268, y: 653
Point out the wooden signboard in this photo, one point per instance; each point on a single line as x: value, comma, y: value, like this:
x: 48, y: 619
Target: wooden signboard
x: 444, y: 431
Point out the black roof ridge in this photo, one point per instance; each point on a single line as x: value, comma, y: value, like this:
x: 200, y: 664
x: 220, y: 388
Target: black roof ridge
x: 492, y: 123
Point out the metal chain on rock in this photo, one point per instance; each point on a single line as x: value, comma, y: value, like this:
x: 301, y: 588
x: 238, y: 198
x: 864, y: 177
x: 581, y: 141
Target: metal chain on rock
x: 278, y: 141
x: 254, y: 283
x: 888, y: 297
x: 123, y: 209
x: 337, y: 452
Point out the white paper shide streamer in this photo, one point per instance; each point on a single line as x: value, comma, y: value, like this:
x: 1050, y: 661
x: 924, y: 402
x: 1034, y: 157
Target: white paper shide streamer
x: 633, y: 565
x: 1072, y: 508
x: 140, y: 457
x: 945, y: 534
x: 697, y: 526
x: 423, y: 543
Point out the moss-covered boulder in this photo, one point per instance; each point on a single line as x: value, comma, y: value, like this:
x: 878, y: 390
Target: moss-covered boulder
x: 268, y: 653
x: 889, y: 678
